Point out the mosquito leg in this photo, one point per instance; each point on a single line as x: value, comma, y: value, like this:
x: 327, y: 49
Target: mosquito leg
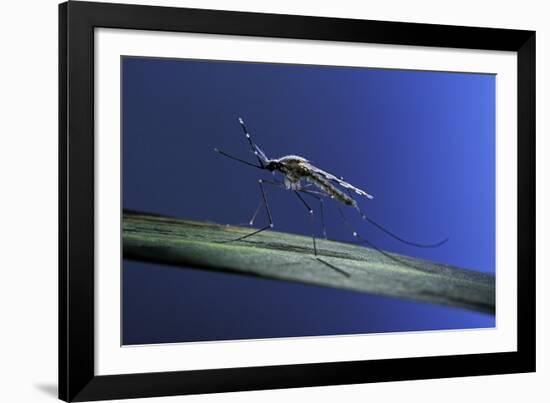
x: 251, y: 222
x: 312, y: 220
x: 273, y: 183
x: 266, y: 203
x: 321, y: 203
x: 264, y: 181
x: 333, y: 267
x: 279, y: 184
x: 261, y: 203
x: 312, y: 194
x: 397, y: 237
x: 315, y: 195
x: 370, y: 244
x: 392, y: 234
x: 270, y: 218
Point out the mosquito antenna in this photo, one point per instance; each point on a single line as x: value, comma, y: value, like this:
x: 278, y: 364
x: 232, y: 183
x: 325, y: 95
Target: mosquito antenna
x: 237, y: 159
x: 255, y: 149
x: 397, y: 237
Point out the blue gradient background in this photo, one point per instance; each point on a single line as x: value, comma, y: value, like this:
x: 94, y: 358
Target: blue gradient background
x: 423, y: 143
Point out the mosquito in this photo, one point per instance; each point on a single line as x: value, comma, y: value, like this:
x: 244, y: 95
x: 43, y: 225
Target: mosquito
x: 301, y: 177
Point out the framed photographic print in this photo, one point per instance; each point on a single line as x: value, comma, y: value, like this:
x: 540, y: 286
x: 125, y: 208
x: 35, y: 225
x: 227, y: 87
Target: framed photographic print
x: 254, y: 201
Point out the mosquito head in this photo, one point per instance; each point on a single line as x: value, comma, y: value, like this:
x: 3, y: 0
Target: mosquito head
x: 273, y: 165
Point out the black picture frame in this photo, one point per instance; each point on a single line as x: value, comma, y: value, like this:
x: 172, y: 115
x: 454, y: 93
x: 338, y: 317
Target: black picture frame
x: 77, y: 379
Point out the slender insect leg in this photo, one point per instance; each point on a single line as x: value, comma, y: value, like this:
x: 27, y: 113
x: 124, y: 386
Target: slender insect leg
x: 312, y: 193
x: 317, y: 195
x: 321, y: 203
x: 333, y: 267
x: 366, y: 242
x: 260, y: 204
x: 312, y: 220
x: 264, y: 181
x: 270, y: 218
x: 399, y: 238
x: 266, y: 203
x: 310, y: 210
x: 346, y: 222
x: 273, y: 183
x: 392, y: 234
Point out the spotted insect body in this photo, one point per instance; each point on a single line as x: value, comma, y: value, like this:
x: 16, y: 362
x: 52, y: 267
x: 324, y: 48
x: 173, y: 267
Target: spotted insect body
x: 297, y: 169
x: 298, y: 173
x: 328, y: 188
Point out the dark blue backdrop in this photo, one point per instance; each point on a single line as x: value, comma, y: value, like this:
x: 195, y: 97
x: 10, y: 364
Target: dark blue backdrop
x: 423, y: 143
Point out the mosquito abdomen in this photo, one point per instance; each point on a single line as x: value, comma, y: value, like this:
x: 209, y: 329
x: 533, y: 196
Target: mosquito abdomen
x: 330, y: 189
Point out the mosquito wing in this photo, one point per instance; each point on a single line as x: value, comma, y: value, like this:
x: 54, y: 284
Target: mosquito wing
x: 339, y: 181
